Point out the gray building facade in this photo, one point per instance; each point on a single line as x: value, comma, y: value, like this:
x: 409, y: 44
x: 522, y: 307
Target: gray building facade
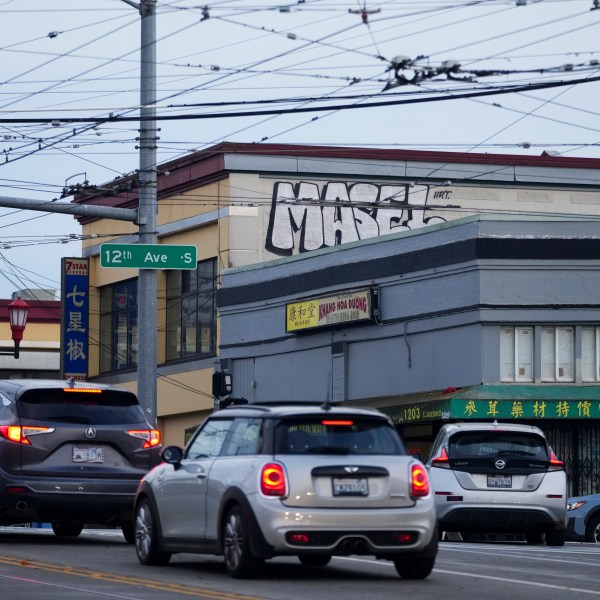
x: 484, y: 317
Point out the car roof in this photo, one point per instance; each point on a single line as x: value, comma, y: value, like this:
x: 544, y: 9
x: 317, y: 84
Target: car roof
x: 298, y: 409
x: 16, y: 386
x: 452, y: 428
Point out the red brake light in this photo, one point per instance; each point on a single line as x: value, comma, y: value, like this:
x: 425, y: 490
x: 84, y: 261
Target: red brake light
x: 419, y: 481
x: 152, y: 436
x: 337, y: 422
x: 20, y: 435
x: 555, y: 464
x: 441, y: 460
x: 273, y: 481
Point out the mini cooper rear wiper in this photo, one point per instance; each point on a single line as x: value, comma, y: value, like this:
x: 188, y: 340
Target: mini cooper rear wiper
x: 328, y: 450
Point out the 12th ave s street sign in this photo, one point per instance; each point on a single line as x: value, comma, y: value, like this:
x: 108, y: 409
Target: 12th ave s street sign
x: 148, y: 256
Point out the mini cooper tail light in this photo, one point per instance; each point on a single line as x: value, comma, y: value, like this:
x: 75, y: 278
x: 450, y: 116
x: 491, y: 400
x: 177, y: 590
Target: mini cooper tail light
x: 419, y: 481
x: 273, y: 481
x: 555, y: 464
x: 151, y: 436
x: 441, y: 460
x: 20, y: 435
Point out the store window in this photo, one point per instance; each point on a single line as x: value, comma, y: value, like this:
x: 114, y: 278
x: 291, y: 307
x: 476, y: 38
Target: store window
x: 558, y: 356
x: 119, y: 326
x: 192, y: 311
x: 590, y: 354
x: 516, y: 354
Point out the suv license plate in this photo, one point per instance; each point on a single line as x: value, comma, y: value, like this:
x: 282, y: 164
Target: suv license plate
x: 499, y: 481
x: 350, y: 486
x: 88, y: 455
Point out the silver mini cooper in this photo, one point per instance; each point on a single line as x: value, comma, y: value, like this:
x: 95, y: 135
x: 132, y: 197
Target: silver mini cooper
x: 310, y: 481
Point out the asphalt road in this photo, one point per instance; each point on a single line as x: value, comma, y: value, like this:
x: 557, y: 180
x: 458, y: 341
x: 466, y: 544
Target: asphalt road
x: 99, y: 564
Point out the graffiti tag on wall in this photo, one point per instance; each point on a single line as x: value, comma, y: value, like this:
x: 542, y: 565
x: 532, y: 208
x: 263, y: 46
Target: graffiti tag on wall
x: 307, y: 216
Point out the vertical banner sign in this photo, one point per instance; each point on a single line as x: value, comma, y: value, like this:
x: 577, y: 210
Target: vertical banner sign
x: 74, y: 318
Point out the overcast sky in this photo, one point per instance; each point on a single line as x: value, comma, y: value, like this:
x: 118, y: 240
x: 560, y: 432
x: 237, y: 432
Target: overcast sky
x: 71, y: 59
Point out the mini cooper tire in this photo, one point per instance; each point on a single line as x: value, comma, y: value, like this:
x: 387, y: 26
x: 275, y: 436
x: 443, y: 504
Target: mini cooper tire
x: 240, y: 563
x: 67, y: 528
x: 414, y: 566
x: 314, y: 560
x: 146, y: 536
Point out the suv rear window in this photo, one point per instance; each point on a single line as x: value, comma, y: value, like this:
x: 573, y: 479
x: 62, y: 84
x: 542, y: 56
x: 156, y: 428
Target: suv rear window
x: 337, y: 435
x: 490, y: 444
x: 106, y: 407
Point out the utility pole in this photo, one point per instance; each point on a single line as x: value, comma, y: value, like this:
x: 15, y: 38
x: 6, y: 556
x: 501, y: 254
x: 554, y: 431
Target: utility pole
x: 148, y: 208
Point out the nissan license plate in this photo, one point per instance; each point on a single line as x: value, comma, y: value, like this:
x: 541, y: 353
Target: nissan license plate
x: 499, y: 481
x: 88, y: 455
x: 350, y: 486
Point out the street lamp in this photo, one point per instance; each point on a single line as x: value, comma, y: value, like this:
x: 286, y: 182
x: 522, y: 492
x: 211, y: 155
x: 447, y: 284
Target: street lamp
x: 17, y: 314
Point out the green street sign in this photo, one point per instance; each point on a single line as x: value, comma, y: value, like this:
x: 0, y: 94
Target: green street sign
x: 148, y: 256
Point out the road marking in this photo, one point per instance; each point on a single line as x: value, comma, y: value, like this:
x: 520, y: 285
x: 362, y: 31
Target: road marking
x: 125, y: 579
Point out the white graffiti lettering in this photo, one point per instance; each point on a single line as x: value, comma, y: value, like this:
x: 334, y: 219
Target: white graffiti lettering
x: 306, y: 217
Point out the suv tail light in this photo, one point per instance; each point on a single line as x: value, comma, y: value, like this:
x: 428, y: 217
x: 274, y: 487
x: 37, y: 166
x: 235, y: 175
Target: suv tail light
x: 273, y: 481
x: 555, y: 464
x: 419, y: 481
x: 441, y: 460
x: 16, y: 433
x: 152, y: 436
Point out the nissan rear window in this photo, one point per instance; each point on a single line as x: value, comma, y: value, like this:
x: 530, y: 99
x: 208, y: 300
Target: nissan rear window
x: 107, y: 407
x: 338, y: 436
x: 493, y: 444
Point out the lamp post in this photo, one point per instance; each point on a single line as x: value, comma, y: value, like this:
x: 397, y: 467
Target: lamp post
x: 17, y: 314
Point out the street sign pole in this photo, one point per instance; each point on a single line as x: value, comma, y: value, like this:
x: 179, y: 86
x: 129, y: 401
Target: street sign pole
x: 148, y: 207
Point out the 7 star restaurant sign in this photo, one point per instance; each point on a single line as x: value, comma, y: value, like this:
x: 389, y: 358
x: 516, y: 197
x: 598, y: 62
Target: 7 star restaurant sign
x: 74, y: 318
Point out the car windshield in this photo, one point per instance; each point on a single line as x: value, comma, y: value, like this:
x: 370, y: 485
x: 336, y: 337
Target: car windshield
x: 338, y: 436
x: 105, y: 407
x: 492, y: 444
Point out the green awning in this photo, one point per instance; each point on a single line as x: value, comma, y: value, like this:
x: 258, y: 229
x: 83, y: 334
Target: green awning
x: 506, y: 402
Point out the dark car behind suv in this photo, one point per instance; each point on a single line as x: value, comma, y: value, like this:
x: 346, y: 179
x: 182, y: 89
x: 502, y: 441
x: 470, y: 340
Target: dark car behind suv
x: 72, y: 453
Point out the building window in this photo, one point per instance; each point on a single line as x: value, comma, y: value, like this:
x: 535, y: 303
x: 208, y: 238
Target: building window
x: 516, y: 354
x: 118, y: 326
x: 590, y: 354
x: 558, y: 357
x: 192, y: 311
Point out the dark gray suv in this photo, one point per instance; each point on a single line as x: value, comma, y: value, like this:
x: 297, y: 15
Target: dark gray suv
x: 72, y: 453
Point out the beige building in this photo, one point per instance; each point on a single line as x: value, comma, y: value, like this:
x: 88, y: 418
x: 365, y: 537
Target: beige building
x: 241, y: 204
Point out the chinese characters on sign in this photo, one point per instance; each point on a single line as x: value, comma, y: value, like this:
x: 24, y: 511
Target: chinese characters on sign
x: 330, y: 310
x: 457, y: 408
x: 74, y: 318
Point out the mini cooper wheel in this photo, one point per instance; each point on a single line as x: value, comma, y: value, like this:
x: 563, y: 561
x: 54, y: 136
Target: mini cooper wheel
x: 411, y: 566
x: 239, y: 560
x: 146, y: 536
x: 314, y: 560
x: 67, y: 528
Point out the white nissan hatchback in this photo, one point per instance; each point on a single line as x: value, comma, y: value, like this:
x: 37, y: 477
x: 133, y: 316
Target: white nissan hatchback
x: 498, y: 478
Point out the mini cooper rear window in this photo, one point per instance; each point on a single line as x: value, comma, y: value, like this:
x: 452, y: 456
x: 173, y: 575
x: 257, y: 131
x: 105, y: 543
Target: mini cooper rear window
x: 491, y: 444
x: 335, y: 435
x: 109, y: 407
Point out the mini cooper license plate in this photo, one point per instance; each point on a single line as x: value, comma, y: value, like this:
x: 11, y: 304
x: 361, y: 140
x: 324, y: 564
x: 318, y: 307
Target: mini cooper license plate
x: 350, y: 486
x: 499, y: 481
x: 88, y: 455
